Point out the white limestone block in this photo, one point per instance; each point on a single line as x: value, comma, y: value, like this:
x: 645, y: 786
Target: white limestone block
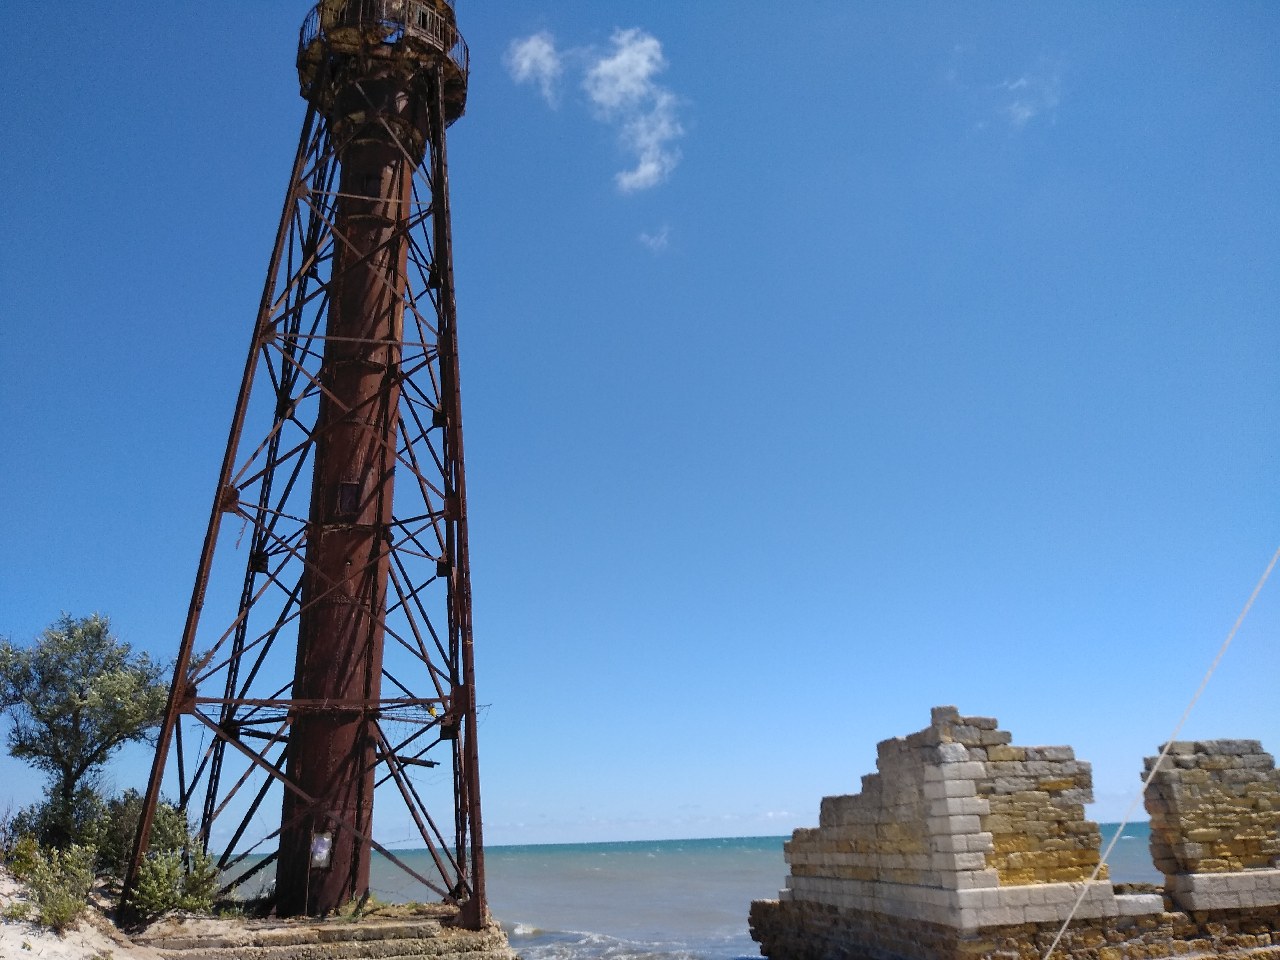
x: 1042, y: 913
x: 1050, y: 753
x: 970, y: 861
x: 967, y: 880
x: 941, y: 789
x: 1139, y: 904
x: 952, y: 752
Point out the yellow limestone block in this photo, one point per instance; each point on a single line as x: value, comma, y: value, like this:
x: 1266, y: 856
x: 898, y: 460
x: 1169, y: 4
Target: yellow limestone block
x: 1061, y: 783
x: 1000, y: 752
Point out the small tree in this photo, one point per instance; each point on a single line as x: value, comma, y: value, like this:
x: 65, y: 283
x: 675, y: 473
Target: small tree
x: 75, y: 696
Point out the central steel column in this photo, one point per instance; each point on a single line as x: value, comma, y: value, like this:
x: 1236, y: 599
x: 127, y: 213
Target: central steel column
x: 324, y: 863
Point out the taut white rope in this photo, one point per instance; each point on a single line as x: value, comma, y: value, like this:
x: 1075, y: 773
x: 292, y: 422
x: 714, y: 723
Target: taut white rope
x: 1164, y: 752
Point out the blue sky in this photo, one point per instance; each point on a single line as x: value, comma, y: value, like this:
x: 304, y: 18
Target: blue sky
x: 821, y: 364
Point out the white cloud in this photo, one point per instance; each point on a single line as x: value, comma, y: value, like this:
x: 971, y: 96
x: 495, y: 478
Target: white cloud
x: 1010, y: 103
x: 650, y: 133
x: 1030, y: 96
x: 622, y: 89
x: 536, y: 60
x: 657, y: 242
x: 625, y: 80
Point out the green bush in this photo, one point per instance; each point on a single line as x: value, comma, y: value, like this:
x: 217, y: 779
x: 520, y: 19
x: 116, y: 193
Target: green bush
x: 175, y: 874
x: 59, y: 882
x: 115, y: 832
x: 23, y: 856
x: 9, y: 835
x: 59, y: 822
x: 164, y: 884
x: 200, y: 885
x: 15, y: 911
x: 159, y: 884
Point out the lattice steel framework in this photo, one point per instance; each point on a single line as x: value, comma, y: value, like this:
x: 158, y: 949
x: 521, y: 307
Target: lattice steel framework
x: 345, y: 669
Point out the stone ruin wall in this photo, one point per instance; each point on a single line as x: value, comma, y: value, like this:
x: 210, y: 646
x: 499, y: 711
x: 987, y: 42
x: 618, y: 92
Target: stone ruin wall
x: 1214, y: 807
x: 963, y: 845
x: 1215, y: 824
x: 1036, y: 798
x: 954, y: 802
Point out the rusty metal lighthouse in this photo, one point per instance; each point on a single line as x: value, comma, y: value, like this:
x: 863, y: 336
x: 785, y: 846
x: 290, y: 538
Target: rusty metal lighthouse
x: 327, y: 660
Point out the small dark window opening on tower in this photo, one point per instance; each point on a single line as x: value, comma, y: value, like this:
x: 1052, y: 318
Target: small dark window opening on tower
x: 348, y: 499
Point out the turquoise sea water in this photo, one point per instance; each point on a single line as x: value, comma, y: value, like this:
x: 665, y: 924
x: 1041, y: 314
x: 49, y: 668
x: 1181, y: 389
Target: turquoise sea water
x: 665, y: 900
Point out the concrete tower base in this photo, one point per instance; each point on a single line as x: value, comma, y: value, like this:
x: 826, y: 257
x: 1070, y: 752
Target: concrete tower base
x: 428, y: 933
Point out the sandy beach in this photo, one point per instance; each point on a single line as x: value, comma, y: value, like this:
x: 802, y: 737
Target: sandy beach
x: 93, y: 938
